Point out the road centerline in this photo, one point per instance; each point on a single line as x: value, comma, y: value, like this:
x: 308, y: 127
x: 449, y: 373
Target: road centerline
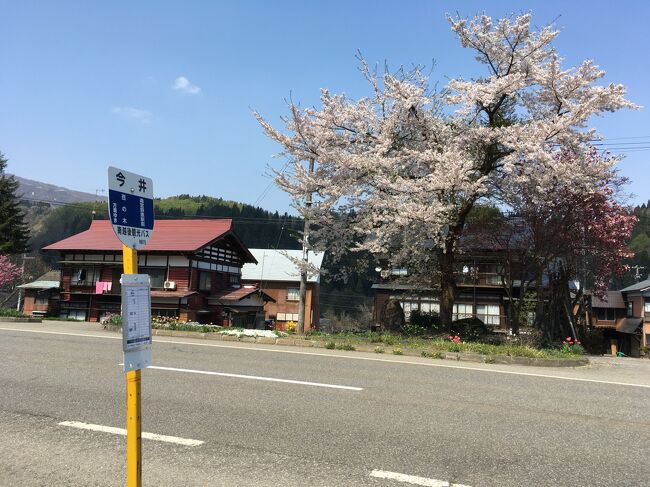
x: 256, y: 377
x: 122, y: 432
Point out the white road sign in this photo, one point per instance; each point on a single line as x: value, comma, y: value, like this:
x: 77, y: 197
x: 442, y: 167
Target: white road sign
x: 130, y: 206
x: 136, y: 321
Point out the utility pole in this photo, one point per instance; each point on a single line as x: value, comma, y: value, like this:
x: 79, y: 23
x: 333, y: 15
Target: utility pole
x: 305, y: 258
x: 637, y: 273
x: 22, y: 276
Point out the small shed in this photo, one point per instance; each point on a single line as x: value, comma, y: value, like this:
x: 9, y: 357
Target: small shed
x: 41, y: 297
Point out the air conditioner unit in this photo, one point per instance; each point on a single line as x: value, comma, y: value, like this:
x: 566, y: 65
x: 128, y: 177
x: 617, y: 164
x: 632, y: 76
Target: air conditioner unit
x: 169, y: 285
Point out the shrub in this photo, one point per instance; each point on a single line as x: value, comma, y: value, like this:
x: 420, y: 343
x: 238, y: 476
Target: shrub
x: 471, y: 329
x: 397, y: 351
x: 593, y: 340
x: 432, y: 354
x: 330, y: 345
x: 527, y: 337
x: 12, y: 313
x: 111, y: 319
x: 410, y: 329
x: 379, y: 350
x: 429, y: 322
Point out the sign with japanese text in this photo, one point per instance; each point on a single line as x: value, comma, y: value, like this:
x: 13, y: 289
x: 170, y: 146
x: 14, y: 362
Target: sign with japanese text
x: 136, y: 321
x: 130, y: 206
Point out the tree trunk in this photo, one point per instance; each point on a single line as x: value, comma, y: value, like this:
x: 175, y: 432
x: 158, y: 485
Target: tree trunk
x: 447, y: 286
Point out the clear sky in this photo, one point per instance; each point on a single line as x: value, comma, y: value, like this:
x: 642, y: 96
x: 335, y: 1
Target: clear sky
x: 166, y: 89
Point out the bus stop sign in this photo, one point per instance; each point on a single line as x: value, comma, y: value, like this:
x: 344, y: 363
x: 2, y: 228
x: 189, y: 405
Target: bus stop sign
x: 130, y: 206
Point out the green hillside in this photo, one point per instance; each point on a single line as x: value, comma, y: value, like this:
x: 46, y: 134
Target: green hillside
x: 256, y: 227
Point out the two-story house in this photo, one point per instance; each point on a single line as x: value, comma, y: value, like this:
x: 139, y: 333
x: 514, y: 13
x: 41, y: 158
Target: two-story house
x: 194, y: 266
x: 480, y: 293
x: 278, y: 276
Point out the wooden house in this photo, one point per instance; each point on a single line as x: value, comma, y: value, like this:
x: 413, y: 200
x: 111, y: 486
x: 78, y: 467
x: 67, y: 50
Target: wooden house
x: 624, y: 317
x: 277, y: 275
x: 41, y: 297
x: 194, y: 266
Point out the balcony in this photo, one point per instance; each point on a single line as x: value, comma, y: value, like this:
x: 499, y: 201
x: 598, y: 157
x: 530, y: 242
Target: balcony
x: 488, y: 279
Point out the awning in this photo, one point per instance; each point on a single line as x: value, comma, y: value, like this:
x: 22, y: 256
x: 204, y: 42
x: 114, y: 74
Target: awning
x: 172, y: 294
x: 628, y: 325
x: 40, y: 285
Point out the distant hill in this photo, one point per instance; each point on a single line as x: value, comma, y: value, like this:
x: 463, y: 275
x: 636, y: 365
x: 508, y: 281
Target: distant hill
x: 37, y: 191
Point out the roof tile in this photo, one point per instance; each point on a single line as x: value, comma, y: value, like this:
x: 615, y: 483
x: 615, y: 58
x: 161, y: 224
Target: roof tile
x: 168, y: 235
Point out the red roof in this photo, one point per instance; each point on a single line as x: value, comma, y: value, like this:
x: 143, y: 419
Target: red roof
x: 168, y: 235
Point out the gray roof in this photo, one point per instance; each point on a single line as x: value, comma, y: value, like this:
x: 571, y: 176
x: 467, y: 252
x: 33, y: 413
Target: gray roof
x: 613, y: 299
x: 276, y: 265
x: 391, y: 286
x: 40, y: 285
x: 639, y: 286
x: 49, y: 280
x: 629, y: 325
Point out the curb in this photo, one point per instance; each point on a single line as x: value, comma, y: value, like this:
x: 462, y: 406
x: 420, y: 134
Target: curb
x: 370, y: 348
x: 13, y: 319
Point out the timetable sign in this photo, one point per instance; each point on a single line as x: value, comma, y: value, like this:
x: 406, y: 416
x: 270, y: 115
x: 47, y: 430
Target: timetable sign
x: 130, y: 206
x: 136, y: 321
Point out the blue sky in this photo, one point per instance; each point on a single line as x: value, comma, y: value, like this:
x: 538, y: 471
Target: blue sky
x: 87, y: 84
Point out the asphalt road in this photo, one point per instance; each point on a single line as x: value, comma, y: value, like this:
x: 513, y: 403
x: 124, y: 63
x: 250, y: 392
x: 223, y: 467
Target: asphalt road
x: 470, y: 424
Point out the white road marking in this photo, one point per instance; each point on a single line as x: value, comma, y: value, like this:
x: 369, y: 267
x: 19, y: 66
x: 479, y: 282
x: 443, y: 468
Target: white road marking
x: 412, y: 479
x: 351, y: 357
x: 122, y: 432
x: 62, y: 333
x: 255, y: 377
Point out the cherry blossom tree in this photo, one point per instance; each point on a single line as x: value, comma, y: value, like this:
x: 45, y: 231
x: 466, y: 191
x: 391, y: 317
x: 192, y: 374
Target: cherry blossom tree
x: 398, y: 172
x: 9, y: 272
x: 568, y: 230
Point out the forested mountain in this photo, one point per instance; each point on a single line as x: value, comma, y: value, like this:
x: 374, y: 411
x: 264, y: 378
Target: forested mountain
x: 35, y: 191
x: 257, y: 227
x: 640, y: 245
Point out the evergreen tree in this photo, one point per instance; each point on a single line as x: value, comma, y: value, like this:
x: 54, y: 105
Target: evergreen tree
x: 13, y: 229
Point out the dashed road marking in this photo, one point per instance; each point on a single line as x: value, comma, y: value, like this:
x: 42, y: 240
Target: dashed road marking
x: 256, y: 377
x: 412, y: 479
x: 122, y: 432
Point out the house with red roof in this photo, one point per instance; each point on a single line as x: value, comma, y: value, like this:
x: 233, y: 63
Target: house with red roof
x: 194, y: 266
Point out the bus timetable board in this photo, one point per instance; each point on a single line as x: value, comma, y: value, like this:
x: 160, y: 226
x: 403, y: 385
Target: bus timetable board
x: 136, y: 321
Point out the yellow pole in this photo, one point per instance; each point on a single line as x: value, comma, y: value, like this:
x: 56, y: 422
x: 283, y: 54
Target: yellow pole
x: 133, y: 417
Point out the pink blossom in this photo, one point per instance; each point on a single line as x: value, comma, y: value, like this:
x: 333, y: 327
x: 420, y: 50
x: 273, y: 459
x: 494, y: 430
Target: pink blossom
x: 8, y: 271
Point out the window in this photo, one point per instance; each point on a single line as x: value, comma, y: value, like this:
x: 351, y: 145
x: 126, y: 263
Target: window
x: 493, y: 273
x: 606, y: 313
x: 171, y: 313
x: 41, y: 299
x: 233, y: 279
x: 85, y: 276
x: 462, y: 311
x: 287, y: 317
x: 429, y: 307
x: 488, y: 313
x: 646, y: 308
x: 205, y: 281
x: 629, y: 309
x: 293, y: 294
x: 74, y: 310
x: 156, y: 274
